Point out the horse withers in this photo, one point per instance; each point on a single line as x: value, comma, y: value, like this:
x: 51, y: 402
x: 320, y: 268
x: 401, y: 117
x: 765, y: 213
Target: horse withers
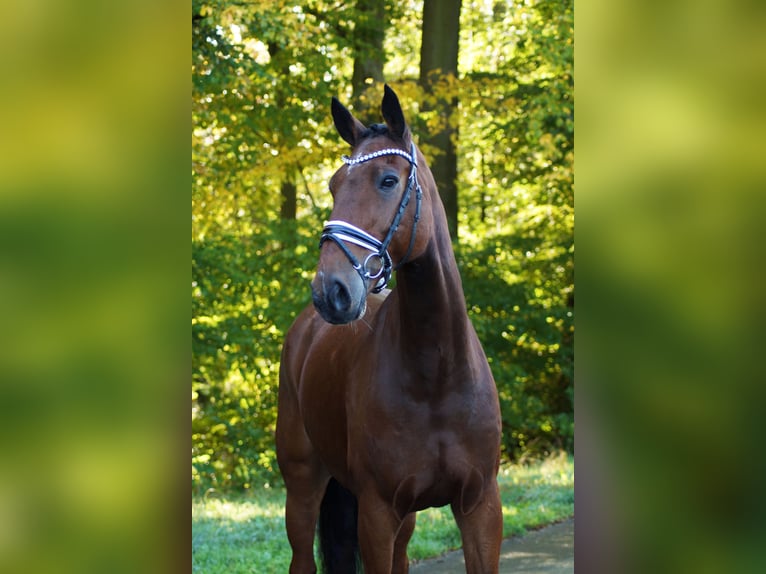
x: 387, y: 404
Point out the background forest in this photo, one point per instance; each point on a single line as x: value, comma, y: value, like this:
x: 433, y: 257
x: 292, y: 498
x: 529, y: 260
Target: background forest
x: 487, y: 88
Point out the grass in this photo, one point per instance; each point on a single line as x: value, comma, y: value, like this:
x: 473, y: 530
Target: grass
x: 242, y: 534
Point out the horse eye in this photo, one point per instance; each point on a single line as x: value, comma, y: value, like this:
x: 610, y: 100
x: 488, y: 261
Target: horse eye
x: 388, y: 182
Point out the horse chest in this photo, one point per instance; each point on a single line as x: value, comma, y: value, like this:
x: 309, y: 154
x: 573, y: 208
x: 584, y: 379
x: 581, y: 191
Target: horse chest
x: 424, y: 454
x: 420, y: 465
x: 410, y: 433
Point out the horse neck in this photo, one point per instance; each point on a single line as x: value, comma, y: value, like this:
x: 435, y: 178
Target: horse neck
x: 432, y: 315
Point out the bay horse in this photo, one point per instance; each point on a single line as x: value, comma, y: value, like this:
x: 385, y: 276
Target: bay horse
x: 387, y: 404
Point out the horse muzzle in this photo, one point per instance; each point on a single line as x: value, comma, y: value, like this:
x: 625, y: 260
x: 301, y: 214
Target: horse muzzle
x: 339, y: 298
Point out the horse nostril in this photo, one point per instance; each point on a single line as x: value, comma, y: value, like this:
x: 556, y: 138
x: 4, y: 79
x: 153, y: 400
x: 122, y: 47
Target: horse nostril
x: 338, y: 296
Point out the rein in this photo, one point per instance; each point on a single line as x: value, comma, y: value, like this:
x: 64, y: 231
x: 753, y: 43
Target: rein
x: 341, y: 232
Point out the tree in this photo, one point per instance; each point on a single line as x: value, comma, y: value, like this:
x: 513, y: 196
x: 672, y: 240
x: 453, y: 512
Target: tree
x: 517, y: 205
x: 262, y: 76
x: 369, y: 55
x: 288, y: 190
x: 438, y: 65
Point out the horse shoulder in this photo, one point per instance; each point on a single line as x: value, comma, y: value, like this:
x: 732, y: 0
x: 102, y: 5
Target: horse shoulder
x: 296, y: 345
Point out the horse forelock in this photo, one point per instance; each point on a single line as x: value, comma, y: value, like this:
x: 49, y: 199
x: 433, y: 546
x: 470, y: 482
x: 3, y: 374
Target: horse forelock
x: 375, y: 130
x: 379, y: 130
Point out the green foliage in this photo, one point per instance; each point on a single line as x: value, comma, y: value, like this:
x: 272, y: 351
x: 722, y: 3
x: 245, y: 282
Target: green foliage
x: 263, y: 75
x: 245, y: 295
x: 519, y: 302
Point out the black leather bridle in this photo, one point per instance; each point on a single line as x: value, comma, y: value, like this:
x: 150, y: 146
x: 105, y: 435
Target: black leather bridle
x: 342, y: 232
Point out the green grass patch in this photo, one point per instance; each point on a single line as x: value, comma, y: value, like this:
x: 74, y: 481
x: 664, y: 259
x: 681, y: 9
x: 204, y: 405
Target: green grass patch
x: 243, y: 534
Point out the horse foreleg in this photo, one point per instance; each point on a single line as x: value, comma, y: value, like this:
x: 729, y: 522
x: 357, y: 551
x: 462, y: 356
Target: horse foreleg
x: 378, y: 528
x: 401, y: 563
x: 305, y: 484
x: 481, y: 530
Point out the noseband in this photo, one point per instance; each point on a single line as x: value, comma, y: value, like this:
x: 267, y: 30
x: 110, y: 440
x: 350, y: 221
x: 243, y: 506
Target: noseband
x: 341, y: 232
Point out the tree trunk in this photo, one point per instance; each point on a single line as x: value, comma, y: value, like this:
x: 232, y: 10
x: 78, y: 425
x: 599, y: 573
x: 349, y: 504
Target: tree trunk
x: 288, y: 209
x: 288, y: 190
x: 438, y: 58
x: 369, y: 57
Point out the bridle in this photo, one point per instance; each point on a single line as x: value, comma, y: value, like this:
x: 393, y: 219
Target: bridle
x: 341, y: 232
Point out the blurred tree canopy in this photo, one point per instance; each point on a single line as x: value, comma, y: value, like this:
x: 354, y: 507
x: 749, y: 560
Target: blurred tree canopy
x: 263, y: 149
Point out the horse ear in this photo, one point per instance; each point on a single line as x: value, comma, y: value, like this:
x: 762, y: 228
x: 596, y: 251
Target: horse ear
x: 347, y: 125
x: 392, y: 113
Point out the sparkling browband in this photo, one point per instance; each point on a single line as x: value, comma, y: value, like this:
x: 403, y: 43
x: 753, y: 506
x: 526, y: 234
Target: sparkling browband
x: 388, y: 151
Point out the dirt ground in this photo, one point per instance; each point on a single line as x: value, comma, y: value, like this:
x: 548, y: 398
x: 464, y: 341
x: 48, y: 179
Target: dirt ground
x: 549, y: 550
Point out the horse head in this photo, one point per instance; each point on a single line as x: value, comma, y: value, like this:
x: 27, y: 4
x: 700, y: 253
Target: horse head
x: 377, y: 222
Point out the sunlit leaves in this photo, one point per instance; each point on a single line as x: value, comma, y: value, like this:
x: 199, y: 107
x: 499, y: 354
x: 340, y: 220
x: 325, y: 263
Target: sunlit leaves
x: 240, y: 312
